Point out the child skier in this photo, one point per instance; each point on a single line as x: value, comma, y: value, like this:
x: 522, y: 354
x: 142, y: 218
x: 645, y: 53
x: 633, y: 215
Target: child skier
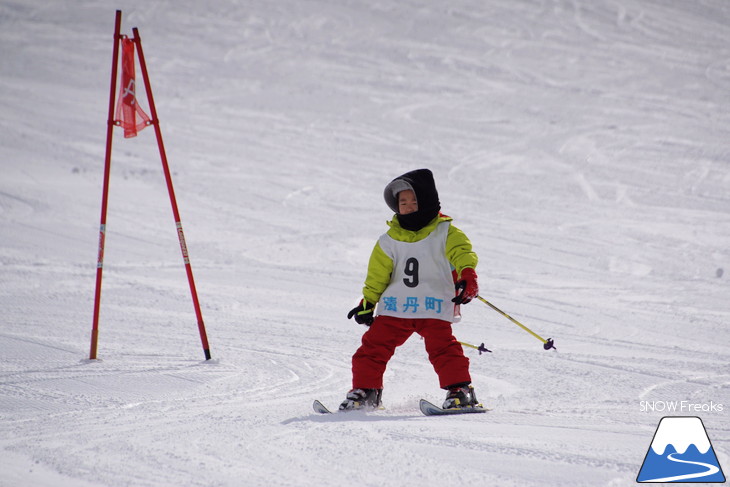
x: 420, y: 271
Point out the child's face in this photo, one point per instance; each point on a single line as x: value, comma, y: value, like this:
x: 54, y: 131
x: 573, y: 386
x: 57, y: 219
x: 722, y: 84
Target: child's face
x: 407, y: 202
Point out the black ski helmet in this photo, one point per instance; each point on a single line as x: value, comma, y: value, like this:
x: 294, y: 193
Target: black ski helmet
x: 421, y: 182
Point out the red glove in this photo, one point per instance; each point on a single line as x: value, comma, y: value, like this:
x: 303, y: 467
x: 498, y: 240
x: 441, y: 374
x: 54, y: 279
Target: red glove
x: 467, y: 286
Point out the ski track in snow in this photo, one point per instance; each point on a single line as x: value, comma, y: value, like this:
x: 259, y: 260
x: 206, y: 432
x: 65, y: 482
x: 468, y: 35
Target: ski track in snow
x: 583, y: 147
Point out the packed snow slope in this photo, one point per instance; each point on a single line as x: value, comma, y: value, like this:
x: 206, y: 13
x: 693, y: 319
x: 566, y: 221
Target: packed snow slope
x: 584, y: 146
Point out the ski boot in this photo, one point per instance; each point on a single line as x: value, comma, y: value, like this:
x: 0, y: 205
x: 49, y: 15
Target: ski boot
x: 359, y: 399
x: 460, y: 396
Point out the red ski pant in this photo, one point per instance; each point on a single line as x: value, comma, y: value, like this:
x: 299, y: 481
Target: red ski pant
x: 387, y: 333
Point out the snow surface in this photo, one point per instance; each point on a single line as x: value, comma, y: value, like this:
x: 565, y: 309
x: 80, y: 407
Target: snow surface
x: 584, y: 146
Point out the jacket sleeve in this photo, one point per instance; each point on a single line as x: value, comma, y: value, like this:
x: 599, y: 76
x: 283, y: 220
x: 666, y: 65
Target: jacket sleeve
x: 380, y: 269
x: 459, y: 251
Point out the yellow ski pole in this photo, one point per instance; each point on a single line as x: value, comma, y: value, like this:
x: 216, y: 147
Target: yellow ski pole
x: 547, y: 344
x: 481, y: 347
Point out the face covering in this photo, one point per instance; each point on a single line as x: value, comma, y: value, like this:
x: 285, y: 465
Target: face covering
x: 422, y: 183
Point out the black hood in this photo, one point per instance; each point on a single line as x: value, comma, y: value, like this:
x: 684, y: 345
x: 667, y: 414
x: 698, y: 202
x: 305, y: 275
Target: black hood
x: 422, y: 183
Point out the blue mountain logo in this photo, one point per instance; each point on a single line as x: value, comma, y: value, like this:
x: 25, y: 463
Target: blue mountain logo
x: 681, y: 452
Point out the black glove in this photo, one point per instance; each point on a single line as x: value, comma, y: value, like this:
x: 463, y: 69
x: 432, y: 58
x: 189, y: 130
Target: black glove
x: 363, y: 313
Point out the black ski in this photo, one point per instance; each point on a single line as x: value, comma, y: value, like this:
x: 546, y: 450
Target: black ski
x: 320, y: 408
x: 430, y: 409
x: 427, y: 408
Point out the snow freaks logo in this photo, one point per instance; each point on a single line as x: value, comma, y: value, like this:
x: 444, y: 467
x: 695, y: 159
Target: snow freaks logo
x: 681, y: 452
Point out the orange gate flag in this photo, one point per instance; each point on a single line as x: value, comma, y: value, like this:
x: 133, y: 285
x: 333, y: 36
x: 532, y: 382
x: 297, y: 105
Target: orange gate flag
x: 127, y: 106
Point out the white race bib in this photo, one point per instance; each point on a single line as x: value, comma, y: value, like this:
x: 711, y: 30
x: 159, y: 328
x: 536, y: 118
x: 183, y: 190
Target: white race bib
x: 421, y: 285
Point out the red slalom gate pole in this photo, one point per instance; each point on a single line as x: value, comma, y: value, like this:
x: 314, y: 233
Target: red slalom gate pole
x: 181, y: 236
x: 105, y: 191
